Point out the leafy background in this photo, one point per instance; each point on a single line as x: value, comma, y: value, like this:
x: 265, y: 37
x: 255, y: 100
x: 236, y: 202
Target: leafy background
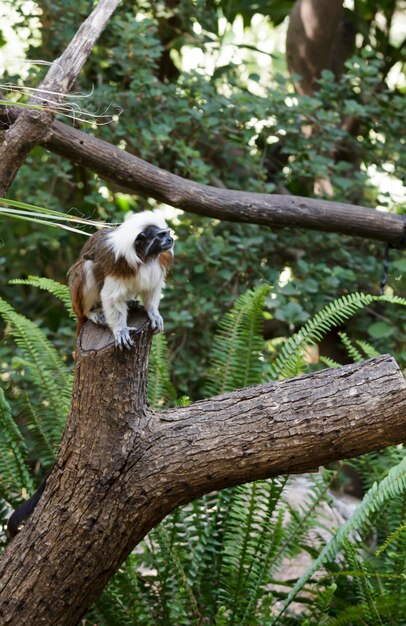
x: 205, y: 93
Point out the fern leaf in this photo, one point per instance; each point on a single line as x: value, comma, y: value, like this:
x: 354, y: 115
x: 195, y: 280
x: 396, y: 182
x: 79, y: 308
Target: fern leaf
x: 391, y: 486
x: 252, y: 536
x: 45, y: 431
x: 58, y: 290
x: 181, y: 598
x: 236, y: 358
x: 329, y: 362
x: 362, y: 585
x: 14, y: 475
x: 332, y: 315
x: 161, y: 392
x: 369, y: 350
x: 352, y: 351
x: 391, y: 539
x: 47, y: 369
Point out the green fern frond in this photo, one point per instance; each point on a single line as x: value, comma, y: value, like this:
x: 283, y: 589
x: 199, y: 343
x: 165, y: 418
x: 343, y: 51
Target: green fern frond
x: 373, y: 466
x: 47, y: 370
x: 354, y: 614
x: 183, y: 401
x: 14, y: 474
x: 392, y: 525
x: 208, y: 524
x: 177, y: 593
x: 320, y: 605
x: 252, y: 537
x: 392, y: 299
x: 58, y: 290
x: 363, y: 588
x: 329, y: 362
x: 390, y: 487
x: 271, y: 546
x: 161, y: 392
x: 391, y: 539
x: 334, y: 314
x: 368, y: 349
x: 352, y: 351
x: 236, y: 358
x: 126, y: 601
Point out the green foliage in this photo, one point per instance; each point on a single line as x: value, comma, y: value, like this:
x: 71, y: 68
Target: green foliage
x: 160, y: 389
x: 56, y: 289
x: 46, y: 369
x: 39, y: 383
x: 218, y: 560
x: 290, y: 360
x: 391, y: 487
x: 238, y: 346
x: 14, y: 474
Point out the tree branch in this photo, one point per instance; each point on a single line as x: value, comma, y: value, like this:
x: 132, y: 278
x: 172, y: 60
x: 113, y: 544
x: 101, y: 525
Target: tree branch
x: 122, y: 467
x: 272, y: 210
x: 32, y: 125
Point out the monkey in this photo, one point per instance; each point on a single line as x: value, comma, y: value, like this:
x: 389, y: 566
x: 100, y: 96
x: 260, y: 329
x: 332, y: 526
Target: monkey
x: 115, y: 266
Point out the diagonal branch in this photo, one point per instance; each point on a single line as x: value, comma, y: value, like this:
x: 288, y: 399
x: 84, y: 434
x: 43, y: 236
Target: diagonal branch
x: 31, y: 125
x: 272, y: 210
x: 123, y: 467
x: 237, y: 206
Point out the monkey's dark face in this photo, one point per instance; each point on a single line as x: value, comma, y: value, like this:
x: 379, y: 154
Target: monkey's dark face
x: 151, y: 241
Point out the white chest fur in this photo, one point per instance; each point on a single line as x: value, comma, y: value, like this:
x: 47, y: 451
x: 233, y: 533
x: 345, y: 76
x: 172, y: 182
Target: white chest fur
x: 149, y: 278
x: 150, y: 275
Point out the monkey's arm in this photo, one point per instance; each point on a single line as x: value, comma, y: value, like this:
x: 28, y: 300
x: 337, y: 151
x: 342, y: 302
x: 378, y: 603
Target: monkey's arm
x: 114, y: 297
x: 150, y: 299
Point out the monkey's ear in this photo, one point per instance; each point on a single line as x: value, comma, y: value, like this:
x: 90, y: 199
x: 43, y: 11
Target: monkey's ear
x: 140, y: 237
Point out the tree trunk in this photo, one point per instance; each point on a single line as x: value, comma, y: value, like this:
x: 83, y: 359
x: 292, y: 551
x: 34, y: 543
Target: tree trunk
x: 319, y: 37
x: 122, y: 467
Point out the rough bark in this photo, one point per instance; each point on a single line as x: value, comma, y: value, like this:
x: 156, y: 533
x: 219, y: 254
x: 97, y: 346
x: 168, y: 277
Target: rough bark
x: 271, y: 210
x: 32, y: 125
x: 122, y: 467
x: 319, y: 37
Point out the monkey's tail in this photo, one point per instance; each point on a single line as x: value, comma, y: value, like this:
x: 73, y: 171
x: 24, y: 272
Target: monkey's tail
x: 79, y: 324
x: 24, y: 511
x: 76, y: 281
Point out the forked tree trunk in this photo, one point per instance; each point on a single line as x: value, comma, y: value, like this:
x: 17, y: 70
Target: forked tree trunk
x: 122, y: 467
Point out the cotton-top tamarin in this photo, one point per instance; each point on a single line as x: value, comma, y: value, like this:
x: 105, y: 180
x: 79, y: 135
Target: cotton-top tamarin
x: 118, y: 264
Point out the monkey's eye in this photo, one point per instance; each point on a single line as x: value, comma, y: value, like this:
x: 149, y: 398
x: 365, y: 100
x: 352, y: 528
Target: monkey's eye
x: 163, y: 234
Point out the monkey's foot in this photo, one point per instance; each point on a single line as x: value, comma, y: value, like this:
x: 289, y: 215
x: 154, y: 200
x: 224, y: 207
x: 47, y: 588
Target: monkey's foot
x: 122, y: 338
x: 97, y: 317
x: 157, y: 323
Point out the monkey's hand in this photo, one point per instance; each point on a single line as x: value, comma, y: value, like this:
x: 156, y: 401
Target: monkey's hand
x: 157, y: 323
x: 122, y: 338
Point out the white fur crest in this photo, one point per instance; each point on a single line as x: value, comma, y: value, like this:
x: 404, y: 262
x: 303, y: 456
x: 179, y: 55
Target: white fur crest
x: 122, y: 238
